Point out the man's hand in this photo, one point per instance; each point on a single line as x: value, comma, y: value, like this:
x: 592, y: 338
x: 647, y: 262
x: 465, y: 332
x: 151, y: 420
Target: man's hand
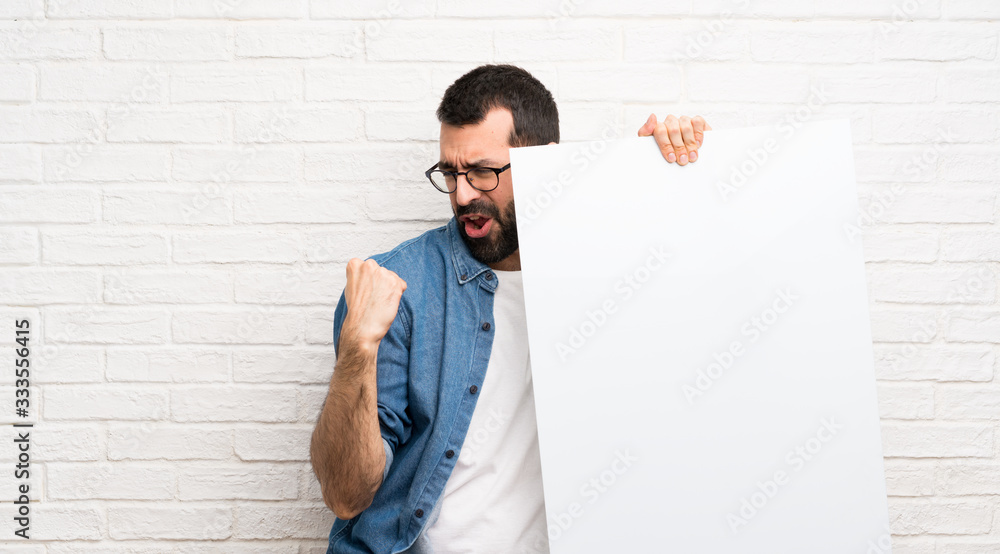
x: 678, y: 138
x: 372, y: 295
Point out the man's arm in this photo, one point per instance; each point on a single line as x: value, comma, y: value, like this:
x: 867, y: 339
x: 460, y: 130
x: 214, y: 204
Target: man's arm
x: 346, y: 451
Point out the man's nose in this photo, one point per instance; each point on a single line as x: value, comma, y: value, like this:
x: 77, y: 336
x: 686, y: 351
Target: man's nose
x: 464, y: 192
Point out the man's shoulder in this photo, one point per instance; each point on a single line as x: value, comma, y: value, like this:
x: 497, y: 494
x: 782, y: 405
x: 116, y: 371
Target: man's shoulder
x: 416, y: 253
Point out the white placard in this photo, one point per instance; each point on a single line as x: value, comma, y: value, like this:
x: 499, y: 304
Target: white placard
x: 700, y: 345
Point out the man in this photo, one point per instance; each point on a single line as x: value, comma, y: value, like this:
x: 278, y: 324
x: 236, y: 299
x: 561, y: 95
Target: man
x: 427, y: 439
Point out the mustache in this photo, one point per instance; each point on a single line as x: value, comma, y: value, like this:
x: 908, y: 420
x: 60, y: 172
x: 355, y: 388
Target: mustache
x: 484, y: 208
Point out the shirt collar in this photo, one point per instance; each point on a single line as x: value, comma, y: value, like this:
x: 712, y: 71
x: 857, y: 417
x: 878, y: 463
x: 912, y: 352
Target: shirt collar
x: 467, y: 267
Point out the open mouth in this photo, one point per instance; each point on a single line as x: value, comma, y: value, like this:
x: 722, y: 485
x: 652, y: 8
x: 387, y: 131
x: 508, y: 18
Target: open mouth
x: 477, y: 226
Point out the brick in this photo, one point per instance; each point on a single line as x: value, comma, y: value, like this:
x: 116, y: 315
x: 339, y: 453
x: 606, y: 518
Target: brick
x: 170, y: 287
x: 173, y: 365
x: 720, y: 39
x: 238, y: 404
x: 935, y: 285
x: 970, y: 85
x: 931, y: 203
x: 409, y: 125
x: 118, y: 481
x: 236, y: 246
x: 173, y: 523
x: 520, y: 42
x: 244, y: 482
x: 367, y: 82
x: 970, y: 244
x: 813, y: 42
x: 167, y: 43
x: 299, y: 40
x: 262, y: 521
x: 19, y: 245
x: 747, y: 83
x: 53, y: 43
x: 933, y: 362
x: 67, y: 443
x: 311, y: 399
x: 69, y: 364
x: 106, y: 162
x: 964, y: 401
x: 922, y: 40
x: 77, y: 403
x: 950, y: 516
x: 970, y: 163
x: 20, y: 163
x: 910, y: 477
x: 899, y: 164
x: 971, y: 9
x: 967, y: 478
x: 157, y: 441
x: 410, y: 203
x: 106, y: 325
x: 974, y: 326
x: 108, y: 9
x: 258, y: 325
x: 383, y: 12
x: 341, y: 243
x: 235, y: 82
x: 205, y: 206
x: 904, y: 325
x: 297, y: 205
x: 23, y: 9
x: 24, y: 124
x: 42, y: 286
x: 17, y: 83
x: 889, y: 10
x: 319, y: 328
x: 894, y: 244
x: 38, y: 205
x: 284, y: 365
x: 112, y: 247
x: 906, y: 401
x: 634, y: 83
x: 108, y: 82
x: 893, y: 125
x: 241, y: 9
x: 65, y: 522
x: 224, y: 164
x: 937, y: 440
x: 353, y: 163
x: 891, y: 83
x: 155, y: 124
x: 449, y: 42
x: 299, y: 285
x: 282, y: 444
x: 336, y: 123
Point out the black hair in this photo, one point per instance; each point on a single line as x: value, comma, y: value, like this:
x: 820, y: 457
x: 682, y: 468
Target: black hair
x: 488, y: 87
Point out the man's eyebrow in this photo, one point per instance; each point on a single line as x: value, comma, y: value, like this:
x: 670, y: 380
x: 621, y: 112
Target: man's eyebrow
x: 482, y: 162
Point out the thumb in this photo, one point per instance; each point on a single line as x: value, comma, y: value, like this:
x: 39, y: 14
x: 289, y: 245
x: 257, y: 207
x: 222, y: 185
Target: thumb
x: 648, y: 127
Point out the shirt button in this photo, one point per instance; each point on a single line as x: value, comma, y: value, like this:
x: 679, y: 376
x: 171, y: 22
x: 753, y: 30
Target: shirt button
x: 419, y: 513
x: 489, y: 276
x: 473, y: 389
x: 449, y: 454
x: 465, y: 276
x: 486, y: 326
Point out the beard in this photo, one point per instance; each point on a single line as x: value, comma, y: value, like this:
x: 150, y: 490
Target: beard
x: 490, y: 250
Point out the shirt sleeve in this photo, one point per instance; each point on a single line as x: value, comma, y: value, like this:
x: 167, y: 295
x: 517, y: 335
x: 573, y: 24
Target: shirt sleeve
x: 392, y: 367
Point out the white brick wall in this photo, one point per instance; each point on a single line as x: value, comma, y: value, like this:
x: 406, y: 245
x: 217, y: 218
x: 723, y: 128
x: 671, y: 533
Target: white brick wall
x: 182, y: 182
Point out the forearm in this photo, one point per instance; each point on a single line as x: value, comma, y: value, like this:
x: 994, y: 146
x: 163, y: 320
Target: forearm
x: 346, y: 451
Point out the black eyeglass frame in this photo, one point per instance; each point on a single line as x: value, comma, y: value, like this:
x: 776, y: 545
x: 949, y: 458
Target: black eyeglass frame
x: 455, y: 174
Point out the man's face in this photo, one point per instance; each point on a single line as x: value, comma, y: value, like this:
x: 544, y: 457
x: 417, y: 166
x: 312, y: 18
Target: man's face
x: 493, y: 236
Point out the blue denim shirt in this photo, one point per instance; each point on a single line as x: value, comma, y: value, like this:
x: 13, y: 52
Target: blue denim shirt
x: 430, y: 366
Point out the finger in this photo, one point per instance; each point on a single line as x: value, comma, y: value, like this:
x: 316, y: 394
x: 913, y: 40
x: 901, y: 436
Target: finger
x: 676, y: 139
x: 647, y: 127
x: 663, y: 142
x: 699, y: 126
x: 687, y: 132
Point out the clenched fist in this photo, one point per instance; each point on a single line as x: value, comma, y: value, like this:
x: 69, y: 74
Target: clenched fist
x: 372, y: 296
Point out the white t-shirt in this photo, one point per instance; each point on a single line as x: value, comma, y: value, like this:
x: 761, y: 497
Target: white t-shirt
x: 493, y: 503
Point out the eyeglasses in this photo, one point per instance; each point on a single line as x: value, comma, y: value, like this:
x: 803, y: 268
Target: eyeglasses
x: 481, y: 178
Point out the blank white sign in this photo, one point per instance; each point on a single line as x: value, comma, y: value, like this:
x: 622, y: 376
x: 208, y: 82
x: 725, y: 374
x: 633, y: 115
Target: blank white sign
x: 700, y: 345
